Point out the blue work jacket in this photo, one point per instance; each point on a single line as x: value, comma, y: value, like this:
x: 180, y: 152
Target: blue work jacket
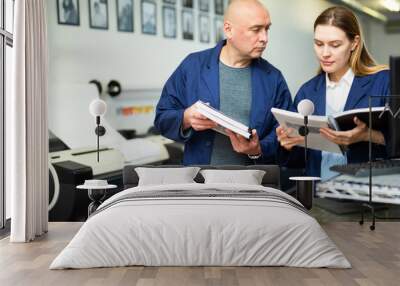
x: 361, y: 89
x: 197, y: 78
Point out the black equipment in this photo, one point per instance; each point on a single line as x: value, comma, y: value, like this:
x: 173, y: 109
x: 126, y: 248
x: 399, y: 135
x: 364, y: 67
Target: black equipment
x: 393, y: 140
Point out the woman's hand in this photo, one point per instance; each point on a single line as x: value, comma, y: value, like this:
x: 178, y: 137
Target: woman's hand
x: 288, y: 142
x: 357, y: 134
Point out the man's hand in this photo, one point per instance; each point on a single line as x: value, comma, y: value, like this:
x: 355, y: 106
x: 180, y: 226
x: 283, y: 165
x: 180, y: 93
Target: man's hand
x: 288, y: 142
x: 241, y: 145
x: 357, y: 134
x: 192, y: 118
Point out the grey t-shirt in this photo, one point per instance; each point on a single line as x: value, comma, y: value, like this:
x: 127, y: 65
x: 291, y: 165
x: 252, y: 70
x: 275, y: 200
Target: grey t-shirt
x: 235, y: 102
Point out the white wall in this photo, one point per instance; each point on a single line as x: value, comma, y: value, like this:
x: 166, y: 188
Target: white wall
x: 79, y: 54
x: 381, y: 44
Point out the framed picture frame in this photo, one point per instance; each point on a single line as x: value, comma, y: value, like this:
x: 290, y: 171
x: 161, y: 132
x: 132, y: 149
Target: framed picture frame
x: 98, y: 14
x: 125, y: 15
x: 204, y: 28
x: 149, y: 17
x: 169, y: 1
x: 219, y: 29
x: 169, y: 22
x: 187, y: 3
x: 187, y: 24
x: 219, y: 7
x: 68, y: 12
x: 204, y: 5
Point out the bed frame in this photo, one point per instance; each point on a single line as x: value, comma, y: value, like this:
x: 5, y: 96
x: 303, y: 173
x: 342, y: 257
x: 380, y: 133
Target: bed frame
x: 270, y: 179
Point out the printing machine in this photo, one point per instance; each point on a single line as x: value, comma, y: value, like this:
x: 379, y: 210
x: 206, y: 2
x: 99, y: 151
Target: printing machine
x: 72, y: 152
x: 71, y: 167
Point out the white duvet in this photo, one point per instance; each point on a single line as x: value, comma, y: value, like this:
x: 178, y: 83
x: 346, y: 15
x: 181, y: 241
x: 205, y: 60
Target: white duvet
x: 207, y: 230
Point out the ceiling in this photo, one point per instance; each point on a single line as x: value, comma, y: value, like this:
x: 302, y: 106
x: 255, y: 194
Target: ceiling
x: 377, y: 5
x: 377, y: 10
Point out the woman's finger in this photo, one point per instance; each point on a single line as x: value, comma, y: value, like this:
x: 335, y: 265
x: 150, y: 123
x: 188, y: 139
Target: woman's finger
x: 359, y: 123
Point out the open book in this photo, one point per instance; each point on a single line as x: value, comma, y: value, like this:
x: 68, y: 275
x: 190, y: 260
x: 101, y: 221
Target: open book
x: 222, y: 120
x: 342, y: 121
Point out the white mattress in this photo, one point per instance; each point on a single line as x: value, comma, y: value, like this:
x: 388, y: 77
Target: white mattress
x: 189, y: 230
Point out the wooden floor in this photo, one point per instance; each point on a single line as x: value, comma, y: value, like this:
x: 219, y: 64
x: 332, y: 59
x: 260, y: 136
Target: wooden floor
x: 374, y: 255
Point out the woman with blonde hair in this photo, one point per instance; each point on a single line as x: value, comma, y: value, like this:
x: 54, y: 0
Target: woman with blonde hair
x: 347, y: 77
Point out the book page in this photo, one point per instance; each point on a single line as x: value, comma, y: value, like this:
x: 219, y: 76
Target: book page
x: 315, y: 140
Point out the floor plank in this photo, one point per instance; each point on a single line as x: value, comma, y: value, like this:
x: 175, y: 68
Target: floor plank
x: 374, y: 255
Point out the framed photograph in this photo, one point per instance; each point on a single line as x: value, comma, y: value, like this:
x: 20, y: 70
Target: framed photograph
x: 219, y: 7
x: 169, y: 22
x: 219, y: 29
x: 187, y: 3
x: 125, y: 15
x: 187, y: 24
x: 149, y: 17
x: 68, y: 12
x: 169, y: 1
x: 204, y: 5
x: 98, y: 14
x: 204, y: 28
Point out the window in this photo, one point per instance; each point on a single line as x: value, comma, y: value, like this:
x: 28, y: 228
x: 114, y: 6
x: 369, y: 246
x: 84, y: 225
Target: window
x: 6, y: 42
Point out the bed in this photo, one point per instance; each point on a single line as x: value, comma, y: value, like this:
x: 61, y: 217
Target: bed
x: 201, y: 223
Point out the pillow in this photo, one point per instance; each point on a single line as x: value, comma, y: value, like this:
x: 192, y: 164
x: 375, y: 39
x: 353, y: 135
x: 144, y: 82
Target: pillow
x: 248, y: 177
x: 163, y: 176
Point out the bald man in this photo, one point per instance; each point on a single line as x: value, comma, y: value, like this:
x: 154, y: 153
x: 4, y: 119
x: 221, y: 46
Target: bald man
x: 233, y: 78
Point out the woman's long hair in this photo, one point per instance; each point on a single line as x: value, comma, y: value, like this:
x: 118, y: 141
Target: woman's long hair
x: 361, y: 61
